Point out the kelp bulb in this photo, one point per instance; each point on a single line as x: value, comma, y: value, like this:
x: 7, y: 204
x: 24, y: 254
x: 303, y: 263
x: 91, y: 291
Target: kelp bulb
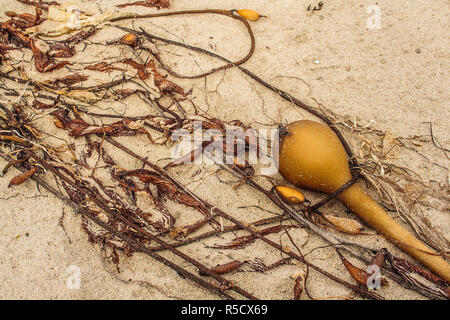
x: 311, y: 156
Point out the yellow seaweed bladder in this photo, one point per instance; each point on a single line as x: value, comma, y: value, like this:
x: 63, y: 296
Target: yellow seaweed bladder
x: 311, y: 156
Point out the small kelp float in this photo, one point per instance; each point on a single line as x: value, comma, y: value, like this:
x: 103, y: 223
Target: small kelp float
x: 249, y: 14
x: 290, y: 195
x: 311, y: 156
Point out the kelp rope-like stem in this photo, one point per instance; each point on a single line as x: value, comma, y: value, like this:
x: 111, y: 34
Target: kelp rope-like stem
x: 288, y: 97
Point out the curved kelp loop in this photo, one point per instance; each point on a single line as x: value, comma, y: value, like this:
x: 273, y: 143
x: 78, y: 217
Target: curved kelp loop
x: 228, y: 13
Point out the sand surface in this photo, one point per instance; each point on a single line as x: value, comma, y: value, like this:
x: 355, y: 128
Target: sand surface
x: 395, y: 79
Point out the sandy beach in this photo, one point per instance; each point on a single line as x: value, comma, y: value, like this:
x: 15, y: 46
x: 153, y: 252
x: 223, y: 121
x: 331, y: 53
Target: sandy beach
x: 385, y: 86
